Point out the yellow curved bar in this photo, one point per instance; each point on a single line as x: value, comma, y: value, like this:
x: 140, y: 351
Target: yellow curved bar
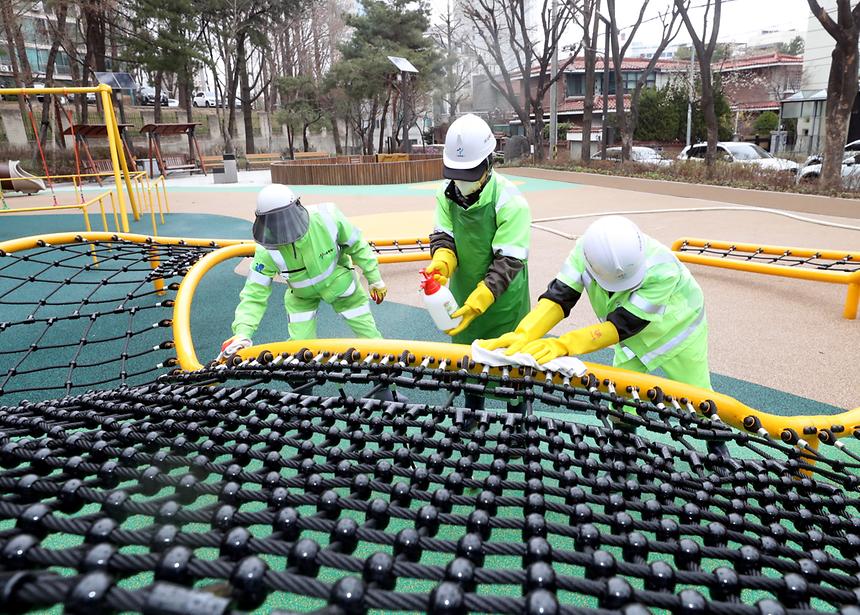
x: 185, y: 295
x: 698, y: 242
x: 815, y: 275
x: 730, y: 410
x: 852, y: 279
x: 28, y: 243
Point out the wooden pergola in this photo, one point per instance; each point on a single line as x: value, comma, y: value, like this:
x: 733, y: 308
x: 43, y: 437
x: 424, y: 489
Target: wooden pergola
x: 83, y: 132
x: 152, y: 131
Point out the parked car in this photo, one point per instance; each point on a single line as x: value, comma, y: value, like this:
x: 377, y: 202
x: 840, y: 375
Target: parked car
x: 811, y: 169
x: 146, y: 96
x: 203, y: 98
x: 642, y: 155
x: 41, y: 97
x: 741, y: 153
x: 172, y: 102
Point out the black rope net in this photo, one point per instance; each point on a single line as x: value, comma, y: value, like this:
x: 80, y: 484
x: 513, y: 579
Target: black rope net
x: 336, y: 484
x: 847, y: 264
x: 87, y: 314
x: 94, y: 313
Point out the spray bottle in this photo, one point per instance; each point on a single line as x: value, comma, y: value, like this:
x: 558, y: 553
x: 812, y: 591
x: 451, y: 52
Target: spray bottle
x: 439, y: 302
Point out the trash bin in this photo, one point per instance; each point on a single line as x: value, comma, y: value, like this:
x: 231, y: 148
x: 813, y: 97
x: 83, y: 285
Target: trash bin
x: 150, y: 165
x: 231, y: 174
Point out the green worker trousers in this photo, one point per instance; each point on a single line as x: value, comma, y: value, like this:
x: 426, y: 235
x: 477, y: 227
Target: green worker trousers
x: 689, y: 366
x: 354, y: 308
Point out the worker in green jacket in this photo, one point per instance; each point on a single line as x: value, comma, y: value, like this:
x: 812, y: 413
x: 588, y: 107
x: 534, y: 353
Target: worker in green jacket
x: 649, y: 306
x: 313, y: 249
x: 481, y: 237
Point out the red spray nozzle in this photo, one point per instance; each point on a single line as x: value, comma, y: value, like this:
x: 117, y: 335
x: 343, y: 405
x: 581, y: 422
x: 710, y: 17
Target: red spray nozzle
x: 429, y: 284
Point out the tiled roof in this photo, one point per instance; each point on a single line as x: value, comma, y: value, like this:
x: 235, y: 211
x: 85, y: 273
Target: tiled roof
x: 759, y: 61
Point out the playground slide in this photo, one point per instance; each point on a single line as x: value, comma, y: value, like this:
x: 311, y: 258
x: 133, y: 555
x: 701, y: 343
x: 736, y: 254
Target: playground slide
x: 13, y: 177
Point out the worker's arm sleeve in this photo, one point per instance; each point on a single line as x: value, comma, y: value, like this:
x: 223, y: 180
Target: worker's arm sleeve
x: 562, y: 294
x: 626, y: 323
x: 443, y: 227
x: 255, y: 294
x: 510, y: 245
x: 501, y: 272
x: 350, y: 239
x: 650, y: 300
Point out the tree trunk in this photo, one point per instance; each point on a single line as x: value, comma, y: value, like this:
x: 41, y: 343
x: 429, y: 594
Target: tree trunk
x: 290, y: 136
x: 184, y: 87
x: 245, y: 98
x: 8, y: 18
x: 382, y: 123
x: 335, y: 134
x: 588, y: 102
x: 305, y: 142
x: 537, y: 109
x: 26, y: 69
x: 156, y: 109
x: 710, y: 114
x: 368, y: 141
x: 841, y: 92
x: 62, y: 10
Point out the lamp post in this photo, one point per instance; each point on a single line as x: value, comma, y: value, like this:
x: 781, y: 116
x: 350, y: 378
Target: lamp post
x: 553, y: 91
x: 405, y: 67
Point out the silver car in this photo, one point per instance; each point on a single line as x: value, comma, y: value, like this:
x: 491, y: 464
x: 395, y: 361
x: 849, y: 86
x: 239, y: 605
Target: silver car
x: 741, y: 153
x: 642, y: 155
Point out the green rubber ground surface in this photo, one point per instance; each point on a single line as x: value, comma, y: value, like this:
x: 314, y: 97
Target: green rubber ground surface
x: 212, y: 314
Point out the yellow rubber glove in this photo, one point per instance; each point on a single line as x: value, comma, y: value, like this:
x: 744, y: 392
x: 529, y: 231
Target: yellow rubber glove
x: 443, y: 265
x: 476, y: 304
x: 580, y: 341
x: 378, y: 291
x: 533, y: 326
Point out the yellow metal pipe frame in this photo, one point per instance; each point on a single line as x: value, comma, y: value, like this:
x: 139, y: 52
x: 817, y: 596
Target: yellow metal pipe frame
x: 118, y: 161
x: 730, y: 410
x: 851, y: 279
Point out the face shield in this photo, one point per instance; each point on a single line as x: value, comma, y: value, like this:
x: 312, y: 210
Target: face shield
x: 281, y: 226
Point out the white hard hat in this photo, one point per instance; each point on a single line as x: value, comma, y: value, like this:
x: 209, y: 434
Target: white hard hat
x: 281, y: 219
x: 614, y: 251
x: 468, y: 144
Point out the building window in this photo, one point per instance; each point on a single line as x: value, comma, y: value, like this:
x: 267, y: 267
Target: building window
x: 574, y: 84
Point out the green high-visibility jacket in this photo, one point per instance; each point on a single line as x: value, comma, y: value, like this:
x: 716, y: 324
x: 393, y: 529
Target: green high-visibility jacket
x: 669, y: 298
x: 498, y: 223
x: 318, y: 265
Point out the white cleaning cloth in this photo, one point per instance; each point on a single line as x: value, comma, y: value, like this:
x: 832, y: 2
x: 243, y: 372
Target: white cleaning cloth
x: 566, y: 366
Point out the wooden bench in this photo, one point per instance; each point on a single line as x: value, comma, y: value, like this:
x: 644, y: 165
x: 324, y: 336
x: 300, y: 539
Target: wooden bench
x: 301, y: 155
x: 260, y: 161
x: 179, y: 162
x: 213, y: 162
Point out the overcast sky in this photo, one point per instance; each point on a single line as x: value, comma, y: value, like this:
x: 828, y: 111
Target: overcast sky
x: 741, y: 20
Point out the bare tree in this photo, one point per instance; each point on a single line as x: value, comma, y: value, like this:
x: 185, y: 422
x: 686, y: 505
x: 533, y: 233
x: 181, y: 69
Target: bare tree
x: 705, y: 42
x: 671, y: 26
x: 501, y: 27
x: 841, y: 84
x: 12, y: 28
x: 590, y: 24
x: 457, y: 77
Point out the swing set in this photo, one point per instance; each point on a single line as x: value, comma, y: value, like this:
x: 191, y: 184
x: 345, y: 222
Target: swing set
x: 126, y: 183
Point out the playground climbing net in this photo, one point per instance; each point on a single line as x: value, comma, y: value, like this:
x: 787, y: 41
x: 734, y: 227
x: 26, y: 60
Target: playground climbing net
x: 223, y: 490
x: 349, y: 482
x: 87, y: 313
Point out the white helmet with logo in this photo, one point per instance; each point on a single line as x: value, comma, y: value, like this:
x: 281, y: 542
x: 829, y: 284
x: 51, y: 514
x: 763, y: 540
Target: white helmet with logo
x: 614, y: 251
x: 281, y: 218
x: 468, y: 144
